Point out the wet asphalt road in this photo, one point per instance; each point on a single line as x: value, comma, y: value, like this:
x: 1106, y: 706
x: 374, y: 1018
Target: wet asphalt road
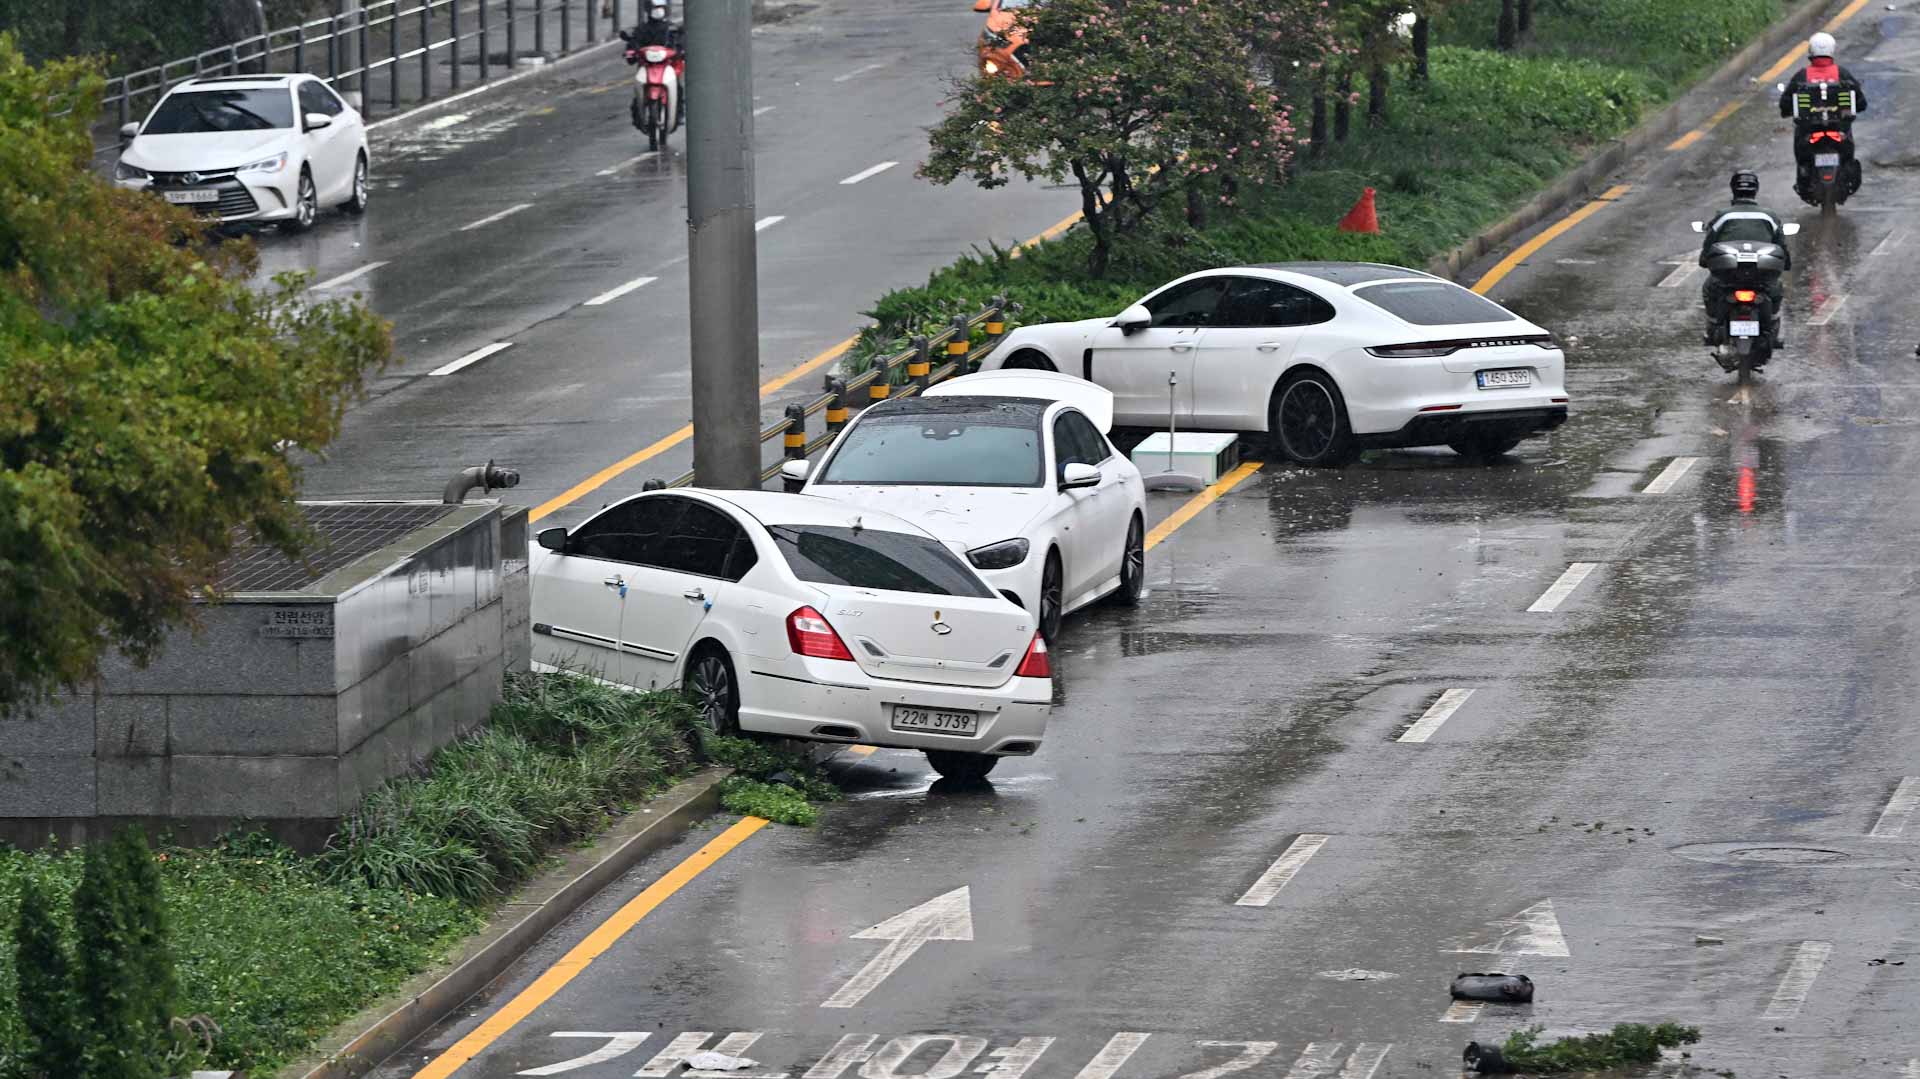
x: 1675, y: 794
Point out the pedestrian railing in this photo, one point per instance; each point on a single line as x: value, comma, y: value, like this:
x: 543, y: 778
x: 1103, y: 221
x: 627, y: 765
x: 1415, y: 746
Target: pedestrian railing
x: 842, y: 395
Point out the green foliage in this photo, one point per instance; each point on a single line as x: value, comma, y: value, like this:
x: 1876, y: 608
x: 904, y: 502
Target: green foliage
x: 151, y: 390
x: 49, y: 1013
x: 755, y: 759
x: 121, y: 1036
x: 1671, y: 43
x: 1625, y: 1044
x: 776, y: 802
x: 562, y: 753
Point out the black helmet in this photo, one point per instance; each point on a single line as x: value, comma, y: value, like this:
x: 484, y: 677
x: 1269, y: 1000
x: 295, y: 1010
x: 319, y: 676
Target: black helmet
x: 1745, y: 184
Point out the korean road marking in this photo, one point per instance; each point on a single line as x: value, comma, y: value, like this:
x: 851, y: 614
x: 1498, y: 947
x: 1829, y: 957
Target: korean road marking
x: 1547, y: 235
x: 1251, y: 1053
x: 1437, y: 713
x: 1557, y: 593
x: 1158, y: 533
x: 613, y: 294
x: 1888, y: 243
x: 1533, y: 931
x: 582, y: 955
x: 1675, y: 471
x: 1827, y: 310
x: 491, y: 218
x: 1319, y: 1059
x: 1303, y: 848
x: 768, y: 222
x: 444, y: 122
x: 470, y: 359
x: 1013, y: 1061
x: 1462, y: 1011
x: 1679, y: 275
x: 619, y: 1044
x: 350, y: 275
x: 1797, y: 982
x: 944, y: 917
x: 849, y: 76
x: 763, y: 110
x: 628, y: 163
x: 867, y: 174
x: 1893, y: 819
x: 1118, y: 1050
x: 1366, y: 1059
x: 886, y: 1064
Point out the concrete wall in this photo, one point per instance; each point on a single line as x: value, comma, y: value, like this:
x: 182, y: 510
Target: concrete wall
x: 284, y: 708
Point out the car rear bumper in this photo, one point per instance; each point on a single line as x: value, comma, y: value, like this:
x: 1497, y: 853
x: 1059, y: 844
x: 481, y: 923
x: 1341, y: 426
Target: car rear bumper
x: 1013, y: 716
x: 1441, y: 428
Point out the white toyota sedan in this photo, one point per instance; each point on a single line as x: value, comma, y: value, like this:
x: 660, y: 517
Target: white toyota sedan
x: 250, y: 149
x: 795, y: 616
x: 1327, y: 358
x: 1011, y: 469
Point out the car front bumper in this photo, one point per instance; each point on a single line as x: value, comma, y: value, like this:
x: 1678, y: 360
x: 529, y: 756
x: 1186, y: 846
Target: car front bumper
x: 840, y: 703
x: 262, y: 199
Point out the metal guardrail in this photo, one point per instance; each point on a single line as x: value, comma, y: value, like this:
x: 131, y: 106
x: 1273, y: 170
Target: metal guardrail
x: 955, y: 342
x: 352, y: 48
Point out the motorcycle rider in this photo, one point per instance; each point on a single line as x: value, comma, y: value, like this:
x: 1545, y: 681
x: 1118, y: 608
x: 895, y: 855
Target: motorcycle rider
x: 659, y: 30
x: 1745, y: 220
x: 1821, y: 68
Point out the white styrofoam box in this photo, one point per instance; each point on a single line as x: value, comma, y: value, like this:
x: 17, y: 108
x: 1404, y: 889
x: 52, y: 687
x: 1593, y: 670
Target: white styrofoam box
x: 1197, y: 453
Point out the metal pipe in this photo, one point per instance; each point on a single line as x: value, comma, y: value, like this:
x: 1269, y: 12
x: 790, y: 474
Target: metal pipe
x: 486, y: 477
x: 453, y: 31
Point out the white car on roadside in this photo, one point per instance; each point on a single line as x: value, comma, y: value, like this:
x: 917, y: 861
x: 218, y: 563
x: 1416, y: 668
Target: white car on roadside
x: 799, y: 617
x: 250, y: 150
x: 1328, y: 358
x: 1013, y: 470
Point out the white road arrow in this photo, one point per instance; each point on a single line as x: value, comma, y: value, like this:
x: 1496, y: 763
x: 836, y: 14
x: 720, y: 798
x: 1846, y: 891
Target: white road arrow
x: 946, y: 917
x: 1533, y: 931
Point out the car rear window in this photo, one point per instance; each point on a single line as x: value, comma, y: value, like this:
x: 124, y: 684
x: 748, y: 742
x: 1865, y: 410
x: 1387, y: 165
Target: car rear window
x: 1433, y: 303
x: 986, y: 448
x: 870, y: 558
x: 199, y: 111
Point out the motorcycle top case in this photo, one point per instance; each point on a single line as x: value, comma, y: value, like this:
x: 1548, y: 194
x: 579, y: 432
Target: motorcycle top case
x: 1752, y: 257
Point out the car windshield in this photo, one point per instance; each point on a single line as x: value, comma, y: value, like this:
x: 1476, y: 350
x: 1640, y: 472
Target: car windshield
x: 985, y: 447
x: 1433, y: 303
x: 199, y: 111
x: 870, y: 558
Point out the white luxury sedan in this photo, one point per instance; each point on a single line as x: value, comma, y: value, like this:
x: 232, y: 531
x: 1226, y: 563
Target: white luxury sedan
x: 799, y: 617
x: 250, y: 149
x: 1328, y: 358
x: 1011, y: 469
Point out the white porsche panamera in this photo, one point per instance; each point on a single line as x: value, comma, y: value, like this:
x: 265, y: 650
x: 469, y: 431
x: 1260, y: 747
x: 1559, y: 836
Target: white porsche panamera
x: 1327, y: 358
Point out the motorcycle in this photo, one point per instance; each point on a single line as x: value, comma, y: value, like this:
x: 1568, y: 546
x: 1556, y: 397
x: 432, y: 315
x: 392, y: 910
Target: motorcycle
x: 1743, y: 338
x: 1825, y: 111
x: 657, y: 108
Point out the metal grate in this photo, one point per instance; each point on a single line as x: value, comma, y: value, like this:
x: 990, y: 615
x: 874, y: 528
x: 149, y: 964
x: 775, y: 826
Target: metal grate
x: 343, y: 533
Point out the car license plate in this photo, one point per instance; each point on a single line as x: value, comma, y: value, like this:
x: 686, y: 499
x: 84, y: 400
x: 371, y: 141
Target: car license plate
x: 907, y: 717
x: 1743, y: 327
x: 195, y: 194
x: 1826, y: 161
x: 1504, y: 379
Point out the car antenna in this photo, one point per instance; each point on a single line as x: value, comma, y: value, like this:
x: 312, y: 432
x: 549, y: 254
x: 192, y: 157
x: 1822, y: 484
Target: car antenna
x: 857, y: 526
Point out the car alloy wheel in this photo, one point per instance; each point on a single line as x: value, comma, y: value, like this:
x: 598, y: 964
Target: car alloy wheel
x: 358, y: 204
x: 1309, y: 422
x: 711, y: 691
x: 306, y: 204
x: 1051, y: 598
x: 1133, y: 565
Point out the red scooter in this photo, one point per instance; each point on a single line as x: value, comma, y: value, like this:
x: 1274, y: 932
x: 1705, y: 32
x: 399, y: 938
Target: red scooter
x: 657, y: 108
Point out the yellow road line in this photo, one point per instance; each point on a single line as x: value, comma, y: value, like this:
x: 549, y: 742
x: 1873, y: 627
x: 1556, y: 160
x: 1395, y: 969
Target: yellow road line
x: 584, y: 953
x: 1792, y: 58
x: 1199, y: 502
x: 863, y: 751
x: 1700, y: 132
x: 1548, y: 235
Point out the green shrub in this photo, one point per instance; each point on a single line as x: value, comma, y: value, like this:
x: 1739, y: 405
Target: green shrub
x: 770, y: 782
x: 1626, y: 1044
x: 774, y: 801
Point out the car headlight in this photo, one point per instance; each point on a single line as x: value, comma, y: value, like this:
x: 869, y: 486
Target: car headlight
x: 990, y: 67
x: 270, y: 165
x: 124, y: 171
x: 1003, y: 555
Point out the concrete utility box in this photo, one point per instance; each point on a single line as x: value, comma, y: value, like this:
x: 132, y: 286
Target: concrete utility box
x: 303, y: 688
x: 1196, y: 453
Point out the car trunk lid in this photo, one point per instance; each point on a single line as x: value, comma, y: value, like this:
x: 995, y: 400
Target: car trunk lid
x: 914, y: 637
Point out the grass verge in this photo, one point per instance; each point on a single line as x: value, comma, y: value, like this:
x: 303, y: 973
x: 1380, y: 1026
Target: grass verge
x: 769, y: 782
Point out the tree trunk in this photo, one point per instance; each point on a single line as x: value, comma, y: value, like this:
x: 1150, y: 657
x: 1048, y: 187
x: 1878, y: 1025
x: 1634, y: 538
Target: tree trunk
x: 1377, y: 96
x: 1509, y: 32
x: 1422, y: 30
x: 1317, y: 131
x: 1196, y: 206
x: 1343, y: 108
x: 1092, y: 210
x: 1523, y: 19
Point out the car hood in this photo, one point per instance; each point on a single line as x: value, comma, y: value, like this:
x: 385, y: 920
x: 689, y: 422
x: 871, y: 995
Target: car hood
x: 205, y: 151
x: 960, y: 517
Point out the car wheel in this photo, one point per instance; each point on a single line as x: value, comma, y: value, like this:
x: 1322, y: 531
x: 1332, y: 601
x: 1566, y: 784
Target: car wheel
x: 1133, y: 565
x: 1027, y: 360
x: 357, y: 204
x: 1483, y: 447
x: 1052, y: 597
x: 306, y: 204
x: 713, y: 691
x: 1309, y: 422
x: 961, y: 767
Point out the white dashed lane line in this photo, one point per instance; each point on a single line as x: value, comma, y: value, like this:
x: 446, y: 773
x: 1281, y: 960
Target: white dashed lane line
x: 1893, y: 819
x: 1282, y: 870
x: 1557, y: 593
x: 763, y: 110
x: 491, y: 218
x: 1827, y: 310
x: 1679, y: 275
x: 1891, y: 241
x: 1118, y: 1050
x: 613, y: 294
x: 350, y: 275
x: 470, y: 358
x: 1797, y: 982
x: 865, y: 174
x: 1441, y: 710
x: 849, y: 76
x: 628, y: 163
x: 767, y: 222
x: 1675, y: 471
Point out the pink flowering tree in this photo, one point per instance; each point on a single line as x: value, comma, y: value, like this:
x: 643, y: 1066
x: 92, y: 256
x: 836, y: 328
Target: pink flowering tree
x: 1138, y: 101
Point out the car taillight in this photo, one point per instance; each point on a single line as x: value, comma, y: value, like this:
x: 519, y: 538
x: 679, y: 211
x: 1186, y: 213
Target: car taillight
x: 1743, y: 295
x: 1035, y: 665
x: 808, y: 634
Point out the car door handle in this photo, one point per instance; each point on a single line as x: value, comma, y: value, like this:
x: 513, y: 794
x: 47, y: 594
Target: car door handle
x: 1268, y: 346
x: 1180, y: 348
x: 615, y: 581
x: 695, y: 593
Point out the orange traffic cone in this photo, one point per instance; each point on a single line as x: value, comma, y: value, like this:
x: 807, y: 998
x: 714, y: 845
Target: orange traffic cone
x: 1361, y: 218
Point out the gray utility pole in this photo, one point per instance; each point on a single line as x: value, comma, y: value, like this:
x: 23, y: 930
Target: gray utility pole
x: 722, y: 265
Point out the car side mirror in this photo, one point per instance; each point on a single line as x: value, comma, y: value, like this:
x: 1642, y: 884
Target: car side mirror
x: 796, y: 470
x: 1791, y: 228
x: 553, y: 539
x: 317, y: 120
x: 1699, y: 226
x: 1134, y: 318
x: 1077, y: 475
x: 128, y: 132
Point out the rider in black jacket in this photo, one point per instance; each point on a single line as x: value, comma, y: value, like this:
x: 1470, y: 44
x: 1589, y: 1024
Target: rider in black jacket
x: 659, y: 30
x: 1744, y: 220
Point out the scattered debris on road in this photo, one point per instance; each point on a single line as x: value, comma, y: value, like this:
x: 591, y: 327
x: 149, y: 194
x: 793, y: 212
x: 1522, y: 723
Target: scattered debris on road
x: 1498, y: 988
x: 1355, y: 974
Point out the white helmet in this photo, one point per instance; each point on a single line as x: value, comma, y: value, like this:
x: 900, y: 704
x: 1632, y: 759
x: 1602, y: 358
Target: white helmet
x: 659, y: 11
x: 1820, y: 44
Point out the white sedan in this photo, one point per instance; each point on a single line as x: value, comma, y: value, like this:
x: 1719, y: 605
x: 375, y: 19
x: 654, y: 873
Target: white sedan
x: 799, y: 617
x: 1328, y: 358
x: 250, y: 149
x: 1014, y: 471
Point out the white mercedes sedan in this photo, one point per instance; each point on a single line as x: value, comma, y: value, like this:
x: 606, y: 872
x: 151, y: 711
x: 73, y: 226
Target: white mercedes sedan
x: 795, y: 616
x: 1327, y: 358
x: 1013, y: 470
